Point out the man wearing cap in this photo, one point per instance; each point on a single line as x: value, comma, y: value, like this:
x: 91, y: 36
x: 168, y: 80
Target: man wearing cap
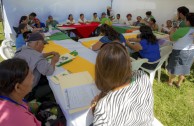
x: 37, y: 61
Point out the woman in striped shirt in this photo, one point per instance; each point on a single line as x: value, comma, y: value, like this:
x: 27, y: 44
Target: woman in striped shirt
x: 126, y: 97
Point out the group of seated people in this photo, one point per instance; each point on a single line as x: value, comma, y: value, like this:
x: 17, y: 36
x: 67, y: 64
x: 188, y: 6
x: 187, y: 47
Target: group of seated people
x: 120, y: 101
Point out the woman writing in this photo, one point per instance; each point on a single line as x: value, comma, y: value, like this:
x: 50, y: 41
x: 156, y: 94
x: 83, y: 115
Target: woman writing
x: 15, y: 83
x: 147, y: 47
x: 109, y: 35
x: 126, y: 98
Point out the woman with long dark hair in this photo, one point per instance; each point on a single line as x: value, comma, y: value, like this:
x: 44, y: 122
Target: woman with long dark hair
x: 147, y: 47
x: 109, y: 35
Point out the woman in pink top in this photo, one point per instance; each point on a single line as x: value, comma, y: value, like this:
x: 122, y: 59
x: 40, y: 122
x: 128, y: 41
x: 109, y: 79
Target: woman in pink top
x: 15, y: 82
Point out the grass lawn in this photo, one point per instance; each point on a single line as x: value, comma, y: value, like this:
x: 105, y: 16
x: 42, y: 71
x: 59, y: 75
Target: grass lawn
x: 172, y: 106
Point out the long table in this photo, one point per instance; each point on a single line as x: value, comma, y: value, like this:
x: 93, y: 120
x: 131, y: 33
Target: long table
x: 78, y: 118
x: 163, y: 39
x: 84, y: 53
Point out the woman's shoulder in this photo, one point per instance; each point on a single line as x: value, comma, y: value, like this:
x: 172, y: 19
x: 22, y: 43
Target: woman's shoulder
x: 16, y: 115
x: 140, y: 76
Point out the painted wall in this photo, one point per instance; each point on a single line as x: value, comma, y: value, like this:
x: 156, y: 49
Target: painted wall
x: 162, y: 9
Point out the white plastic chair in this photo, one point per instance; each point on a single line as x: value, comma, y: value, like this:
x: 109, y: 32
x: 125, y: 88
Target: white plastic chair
x: 164, y: 52
x: 9, y: 43
x: 156, y: 122
x: 136, y: 64
x: 6, y: 52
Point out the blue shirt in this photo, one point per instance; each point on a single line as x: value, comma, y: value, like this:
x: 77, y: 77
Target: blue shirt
x: 20, y: 41
x: 149, y: 51
x: 105, y: 39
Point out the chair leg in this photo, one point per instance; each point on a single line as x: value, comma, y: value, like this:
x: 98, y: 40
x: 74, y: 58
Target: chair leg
x: 159, y: 74
x: 152, y: 75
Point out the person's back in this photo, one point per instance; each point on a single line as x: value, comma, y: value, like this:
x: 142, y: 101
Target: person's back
x: 105, y: 39
x: 149, y: 50
x: 20, y: 41
x: 33, y: 58
x: 129, y: 106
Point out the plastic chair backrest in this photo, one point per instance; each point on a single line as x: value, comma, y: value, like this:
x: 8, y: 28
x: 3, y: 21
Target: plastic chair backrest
x: 136, y: 64
x: 164, y: 53
x: 165, y: 50
x: 6, y: 52
x: 7, y: 43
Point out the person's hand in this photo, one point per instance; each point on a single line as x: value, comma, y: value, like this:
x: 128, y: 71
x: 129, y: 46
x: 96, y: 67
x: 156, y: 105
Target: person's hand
x: 172, y: 30
x: 55, y: 58
x: 131, y: 39
x: 54, y: 53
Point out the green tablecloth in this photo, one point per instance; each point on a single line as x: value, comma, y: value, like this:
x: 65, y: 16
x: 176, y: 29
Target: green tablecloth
x: 121, y: 29
x: 59, y: 36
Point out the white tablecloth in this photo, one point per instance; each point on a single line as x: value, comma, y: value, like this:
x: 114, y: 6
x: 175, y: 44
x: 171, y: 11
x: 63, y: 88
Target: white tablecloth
x: 84, y: 53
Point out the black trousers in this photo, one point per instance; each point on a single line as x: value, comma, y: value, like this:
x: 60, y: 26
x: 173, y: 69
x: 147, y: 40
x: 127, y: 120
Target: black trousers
x: 136, y: 55
x: 42, y: 92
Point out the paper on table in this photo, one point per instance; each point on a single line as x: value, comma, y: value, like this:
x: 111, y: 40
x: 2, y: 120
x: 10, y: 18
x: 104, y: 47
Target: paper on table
x: 47, y: 34
x: 76, y: 79
x: 80, y: 96
x: 56, y: 78
x: 64, y: 58
x: 83, y: 119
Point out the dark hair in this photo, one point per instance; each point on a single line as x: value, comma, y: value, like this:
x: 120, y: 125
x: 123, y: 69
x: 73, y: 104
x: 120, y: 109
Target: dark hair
x: 149, y: 13
x: 26, y: 35
x: 146, y: 33
x: 69, y: 16
x: 109, y: 32
x: 22, y: 19
x: 107, y: 75
x: 108, y: 12
x: 118, y: 15
x: 81, y: 15
x: 129, y: 15
x: 94, y: 13
x: 33, y: 14
x: 21, y: 26
x: 190, y: 18
x: 50, y: 16
x: 12, y: 71
x: 152, y: 19
x: 139, y: 16
x: 184, y: 10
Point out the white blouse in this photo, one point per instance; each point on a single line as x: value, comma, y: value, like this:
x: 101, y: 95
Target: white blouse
x: 129, y: 106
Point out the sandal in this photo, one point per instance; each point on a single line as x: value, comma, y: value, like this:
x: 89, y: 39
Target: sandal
x: 170, y: 84
x: 177, y: 85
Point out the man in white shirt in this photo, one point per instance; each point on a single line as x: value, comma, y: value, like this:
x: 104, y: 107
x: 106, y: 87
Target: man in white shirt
x: 129, y: 20
x: 118, y: 20
x: 95, y: 18
x: 82, y: 20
